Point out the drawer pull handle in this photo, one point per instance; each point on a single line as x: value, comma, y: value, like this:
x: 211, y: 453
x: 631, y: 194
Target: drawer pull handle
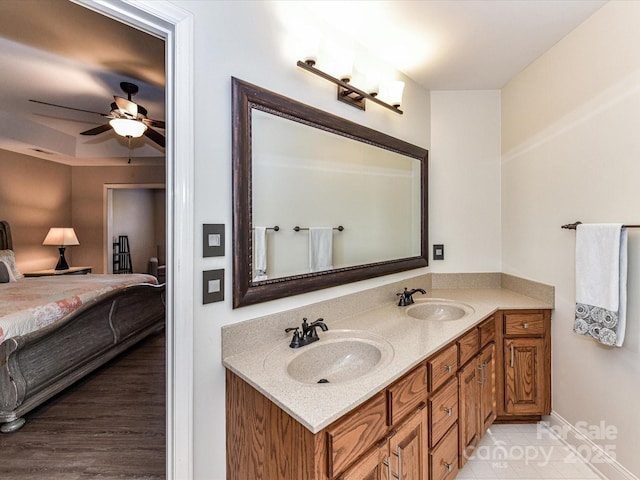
x: 448, y: 411
x: 448, y: 368
x: 387, y: 463
x: 448, y: 466
x: 512, y: 354
x: 398, y: 453
x: 525, y: 325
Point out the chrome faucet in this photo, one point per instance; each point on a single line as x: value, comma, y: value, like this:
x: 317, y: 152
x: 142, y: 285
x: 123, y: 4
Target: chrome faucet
x: 308, y: 333
x: 406, y: 297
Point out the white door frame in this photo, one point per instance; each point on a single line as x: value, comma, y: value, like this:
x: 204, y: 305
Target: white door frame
x: 175, y: 26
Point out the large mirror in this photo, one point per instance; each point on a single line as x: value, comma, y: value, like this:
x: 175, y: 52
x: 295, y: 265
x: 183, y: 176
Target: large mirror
x: 318, y: 200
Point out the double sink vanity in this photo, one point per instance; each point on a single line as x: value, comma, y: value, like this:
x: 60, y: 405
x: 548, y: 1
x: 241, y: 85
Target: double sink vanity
x: 387, y: 391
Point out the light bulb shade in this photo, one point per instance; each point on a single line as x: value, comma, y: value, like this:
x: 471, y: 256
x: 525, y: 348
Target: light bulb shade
x: 128, y: 128
x: 395, y: 93
x: 61, y: 237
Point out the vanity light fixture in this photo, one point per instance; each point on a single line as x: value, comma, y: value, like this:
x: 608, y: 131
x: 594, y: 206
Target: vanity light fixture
x: 353, y: 96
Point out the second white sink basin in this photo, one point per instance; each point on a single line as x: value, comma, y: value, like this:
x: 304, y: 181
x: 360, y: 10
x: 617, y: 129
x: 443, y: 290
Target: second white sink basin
x: 438, y: 309
x: 338, y: 357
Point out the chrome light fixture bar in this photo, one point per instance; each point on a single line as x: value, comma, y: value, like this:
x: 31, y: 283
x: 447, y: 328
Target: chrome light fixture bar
x: 347, y: 93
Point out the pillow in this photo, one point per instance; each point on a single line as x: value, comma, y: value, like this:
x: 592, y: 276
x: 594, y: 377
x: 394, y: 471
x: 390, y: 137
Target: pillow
x: 8, y: 257
x: 5, y: 273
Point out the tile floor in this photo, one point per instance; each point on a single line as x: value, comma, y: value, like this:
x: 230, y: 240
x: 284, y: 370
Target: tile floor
x: 516, y: 452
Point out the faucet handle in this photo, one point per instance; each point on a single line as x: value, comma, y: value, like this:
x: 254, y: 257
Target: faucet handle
x: 295, y: 341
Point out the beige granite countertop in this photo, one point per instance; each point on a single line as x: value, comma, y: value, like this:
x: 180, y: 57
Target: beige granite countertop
x: 317, y: 405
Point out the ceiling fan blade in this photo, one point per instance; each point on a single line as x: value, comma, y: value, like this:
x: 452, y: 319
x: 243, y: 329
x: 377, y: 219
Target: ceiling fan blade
x: 127, y: 106
x: 97, y: 130
x: 69, y: 108
x: 154, y: 123
x: 155, y: 136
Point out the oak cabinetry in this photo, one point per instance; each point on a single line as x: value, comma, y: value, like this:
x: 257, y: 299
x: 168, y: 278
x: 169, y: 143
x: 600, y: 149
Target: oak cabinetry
x: 443, y: 460
x: 476, y: 386
x: 487, y: 370
x: 407, y: 393
x: 442, y: 366
x: 443, y: 411
x: 408, y: 447
x: 354, y: 434
x: 401, y: 454
x: 469, y: 405
x: 394, y: 434
x: 524, y: 364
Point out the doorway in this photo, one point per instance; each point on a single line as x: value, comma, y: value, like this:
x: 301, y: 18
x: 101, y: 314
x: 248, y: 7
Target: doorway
x: 139, y: 213
x: 175, y: 26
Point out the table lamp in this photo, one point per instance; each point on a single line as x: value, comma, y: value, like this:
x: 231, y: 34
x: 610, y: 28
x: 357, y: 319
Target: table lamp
x: 61, y: 237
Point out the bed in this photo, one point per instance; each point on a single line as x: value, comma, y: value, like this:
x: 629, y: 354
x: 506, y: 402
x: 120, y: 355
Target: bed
x: 73, y: 333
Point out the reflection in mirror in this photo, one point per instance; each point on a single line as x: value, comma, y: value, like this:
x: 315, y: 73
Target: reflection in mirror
x: 373, y: 193
x: 294, y: 165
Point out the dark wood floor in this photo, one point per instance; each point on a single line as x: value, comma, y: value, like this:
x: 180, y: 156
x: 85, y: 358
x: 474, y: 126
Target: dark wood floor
x: 110, y: 425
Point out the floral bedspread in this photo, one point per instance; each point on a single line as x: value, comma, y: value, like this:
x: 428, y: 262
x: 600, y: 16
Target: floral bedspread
x: 32, y: 303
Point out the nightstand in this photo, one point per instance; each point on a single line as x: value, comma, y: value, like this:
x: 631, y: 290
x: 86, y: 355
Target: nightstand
x: 52, y: 272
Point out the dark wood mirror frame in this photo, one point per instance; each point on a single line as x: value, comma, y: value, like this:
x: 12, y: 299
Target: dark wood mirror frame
x: 246, y: 97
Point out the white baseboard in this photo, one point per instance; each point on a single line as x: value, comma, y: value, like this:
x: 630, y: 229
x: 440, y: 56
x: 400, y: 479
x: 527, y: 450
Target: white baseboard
x: 597, y: 458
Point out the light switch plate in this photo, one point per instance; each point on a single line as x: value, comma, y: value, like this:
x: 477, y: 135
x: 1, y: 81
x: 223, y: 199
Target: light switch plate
x: 212, y: 286
x: 438, y: 252
x: 213, y: 240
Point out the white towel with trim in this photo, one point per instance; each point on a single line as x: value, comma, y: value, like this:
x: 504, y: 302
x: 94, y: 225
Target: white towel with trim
x: 260, y: 253
x: 601, y: 282
x: 320, y: 249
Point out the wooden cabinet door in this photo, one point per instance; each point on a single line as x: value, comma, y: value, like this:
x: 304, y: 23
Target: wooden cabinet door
x: 373, y: 466
x: 487, y: 368
x: 525, y: 386
x: 469, y: 410
x: 409, y: 449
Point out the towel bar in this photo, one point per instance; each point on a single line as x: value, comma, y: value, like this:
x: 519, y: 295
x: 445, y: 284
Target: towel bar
x: 275, y: 229
x: 572, y: 226
x: 297, y: 228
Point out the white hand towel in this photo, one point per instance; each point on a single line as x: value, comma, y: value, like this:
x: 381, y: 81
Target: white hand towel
x: 601, y: 282
x: 260, y: 253
x: 320, y: 249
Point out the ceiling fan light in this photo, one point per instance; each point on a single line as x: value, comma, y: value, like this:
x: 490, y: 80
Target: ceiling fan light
x: 128, y: 128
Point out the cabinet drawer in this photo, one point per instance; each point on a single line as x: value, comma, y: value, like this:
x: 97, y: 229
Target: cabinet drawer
x: 355, y: 433
x: 524, y: 324
x: 407, y: 393
x: 442, y: 366
x: 468, y: 346
x: 443, y: 411
x: 487, y: 331
x: 443, y: 460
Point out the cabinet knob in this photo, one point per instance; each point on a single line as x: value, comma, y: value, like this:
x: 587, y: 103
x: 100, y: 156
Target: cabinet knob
x: 448, y: 368
x: 525, y: 325
x: 448, y: 411
x: 448, y: 466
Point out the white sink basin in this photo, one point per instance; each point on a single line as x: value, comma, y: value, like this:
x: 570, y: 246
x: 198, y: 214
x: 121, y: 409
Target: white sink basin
x: 339, y: 356
x: 438, y: 309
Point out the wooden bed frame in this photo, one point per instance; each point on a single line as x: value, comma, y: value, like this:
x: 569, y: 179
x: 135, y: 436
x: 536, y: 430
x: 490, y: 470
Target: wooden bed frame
x: 36, y: 366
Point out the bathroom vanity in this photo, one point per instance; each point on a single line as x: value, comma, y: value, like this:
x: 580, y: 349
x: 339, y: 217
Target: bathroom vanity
x: 447, y: 367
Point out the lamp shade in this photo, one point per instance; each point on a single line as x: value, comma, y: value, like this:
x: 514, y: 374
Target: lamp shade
x: 128, y: 128
x: 61, y: 237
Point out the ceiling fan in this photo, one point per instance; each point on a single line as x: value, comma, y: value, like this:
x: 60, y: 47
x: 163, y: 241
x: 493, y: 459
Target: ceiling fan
x: 127, y: 118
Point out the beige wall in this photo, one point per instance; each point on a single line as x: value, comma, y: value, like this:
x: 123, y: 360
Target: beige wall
x: 464, y: 180
x: 571, y: 151
x: 35, y: 196
x: 88, y: 207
